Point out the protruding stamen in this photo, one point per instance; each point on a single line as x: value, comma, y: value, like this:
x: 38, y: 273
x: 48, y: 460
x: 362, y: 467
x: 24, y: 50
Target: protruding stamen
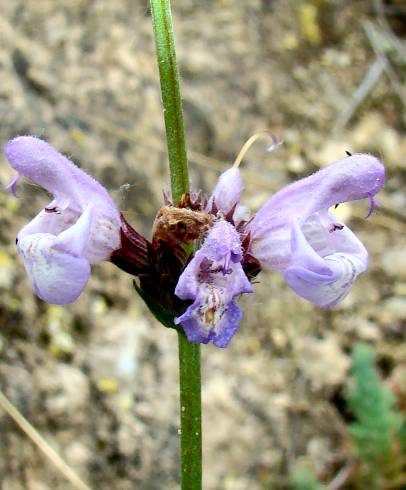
x: 247, y: 145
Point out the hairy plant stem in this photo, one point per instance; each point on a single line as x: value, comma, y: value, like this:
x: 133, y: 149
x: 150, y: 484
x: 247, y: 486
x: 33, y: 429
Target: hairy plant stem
x: 190, y: 414
x: 189, y: 354
x: 171, y: 99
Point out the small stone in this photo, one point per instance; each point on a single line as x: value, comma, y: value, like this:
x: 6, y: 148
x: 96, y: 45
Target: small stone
x: 332, y: 151
x: 77, y: 454
x: 323, y: 362
x: 396, y: 307
x: 394, y: 261
x: 67, y: 391
x: 296, y: 164
x: 367, y: 330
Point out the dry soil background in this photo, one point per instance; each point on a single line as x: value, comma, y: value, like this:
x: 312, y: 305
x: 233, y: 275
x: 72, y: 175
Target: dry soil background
x: 99, y: 378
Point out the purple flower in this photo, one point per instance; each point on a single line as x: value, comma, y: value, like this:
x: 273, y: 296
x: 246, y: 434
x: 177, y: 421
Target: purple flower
x: 213, y: 278
x: 79, y: 227
x: 293, y: 233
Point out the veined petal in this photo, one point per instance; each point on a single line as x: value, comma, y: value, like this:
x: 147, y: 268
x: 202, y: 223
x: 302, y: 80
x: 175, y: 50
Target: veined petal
x: 74, y: 239
x: 227, y: 192
x: 324, y: 280
x: 326, y: 290
x: 303, y: 255
x: 50, y: 220
x: 212, y: 279
x: 201, y: 331
x: 56, y: 277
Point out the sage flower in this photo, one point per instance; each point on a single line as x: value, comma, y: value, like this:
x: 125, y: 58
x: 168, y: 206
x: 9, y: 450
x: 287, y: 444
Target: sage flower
x: 79, y: 227
x: 295, y: 234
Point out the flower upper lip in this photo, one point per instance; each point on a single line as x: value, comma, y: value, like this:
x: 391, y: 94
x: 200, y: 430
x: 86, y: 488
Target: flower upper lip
x: 356, y: 177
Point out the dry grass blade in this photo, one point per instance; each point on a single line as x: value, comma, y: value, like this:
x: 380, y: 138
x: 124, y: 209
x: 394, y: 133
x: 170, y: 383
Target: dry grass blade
x: 368, y: 83
x: 342, y: 477
x: 377, y: 40
x: 395, y: 41
x: 41, y: 443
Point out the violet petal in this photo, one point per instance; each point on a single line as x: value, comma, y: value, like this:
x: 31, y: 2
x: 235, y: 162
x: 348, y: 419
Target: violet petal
x: 221, y: 336
x: 294, y: 233
x: 56, y: 277
x: 228, y: 190
x: 38, y: 161
x: 324, y: 281
x: 74, y: 239
x: 212, y: 279
x: 12, y: 186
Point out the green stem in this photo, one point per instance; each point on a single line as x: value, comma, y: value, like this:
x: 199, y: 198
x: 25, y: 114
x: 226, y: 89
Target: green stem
x: 189, y: 354
x: 190, y: 414
x: 171, y: 99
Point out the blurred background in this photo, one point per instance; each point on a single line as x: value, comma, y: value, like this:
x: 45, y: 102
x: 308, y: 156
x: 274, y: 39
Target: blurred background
x: 288, y: 404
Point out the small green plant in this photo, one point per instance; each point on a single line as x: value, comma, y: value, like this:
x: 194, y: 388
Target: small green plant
x: 378, y: 433
x: 304, y: 479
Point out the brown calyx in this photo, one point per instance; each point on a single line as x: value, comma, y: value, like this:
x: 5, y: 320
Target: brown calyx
x: 179, y: 226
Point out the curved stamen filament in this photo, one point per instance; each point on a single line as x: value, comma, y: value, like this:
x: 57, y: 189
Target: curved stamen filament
x: 247, y: 145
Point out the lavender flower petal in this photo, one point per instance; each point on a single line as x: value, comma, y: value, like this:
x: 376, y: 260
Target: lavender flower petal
x: 228, y: 190
x: 12, y: 186
x: 324, y: 281
x: 74, y: 239
x: 56, y: 277
x: 213, y: 278
x: 294, y: 233
x: 39, y: 162
x: 220, y: 336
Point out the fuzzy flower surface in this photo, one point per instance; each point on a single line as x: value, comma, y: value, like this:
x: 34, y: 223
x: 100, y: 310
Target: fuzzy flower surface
x: 213, y: 278
x: 293, y: 233
x: 79, y: 227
